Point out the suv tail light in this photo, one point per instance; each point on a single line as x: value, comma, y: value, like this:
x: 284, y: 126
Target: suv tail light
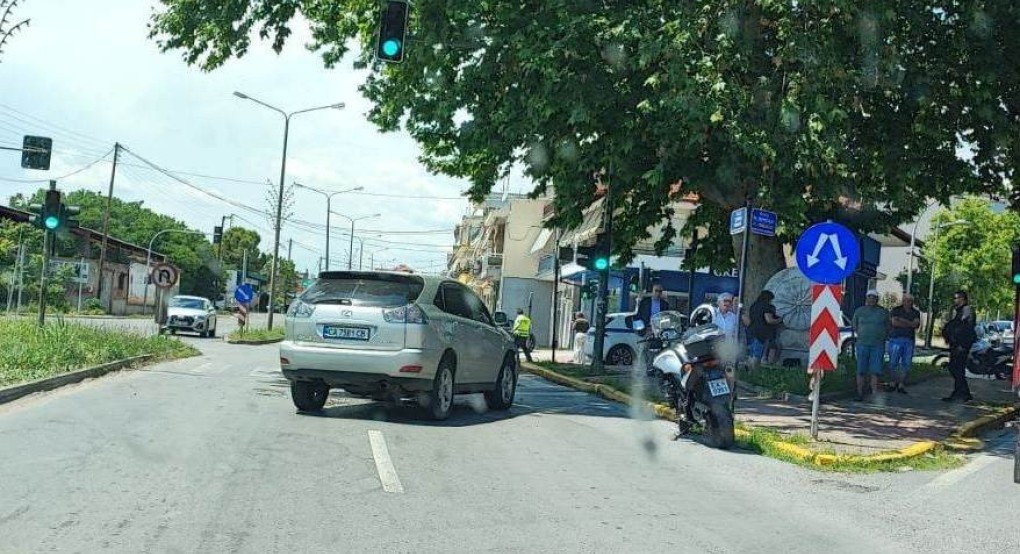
x: 411, y: 313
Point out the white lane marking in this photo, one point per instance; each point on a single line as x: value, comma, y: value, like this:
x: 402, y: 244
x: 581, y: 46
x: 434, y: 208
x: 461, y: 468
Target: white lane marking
x: 387, y: 473
x: 955, y: 476
x: 201, y: 368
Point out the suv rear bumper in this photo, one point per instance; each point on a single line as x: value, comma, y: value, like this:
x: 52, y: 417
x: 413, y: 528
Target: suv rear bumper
x: 350, y: 368
x: 368, y: 384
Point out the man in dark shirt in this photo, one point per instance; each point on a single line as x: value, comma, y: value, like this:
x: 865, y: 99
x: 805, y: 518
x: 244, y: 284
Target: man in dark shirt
x: 960, y: 334
x: 904, y: 319
x: 762, y: 327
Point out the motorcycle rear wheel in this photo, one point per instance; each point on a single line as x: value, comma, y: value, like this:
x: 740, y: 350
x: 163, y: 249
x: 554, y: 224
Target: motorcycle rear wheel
x: 719, y: 425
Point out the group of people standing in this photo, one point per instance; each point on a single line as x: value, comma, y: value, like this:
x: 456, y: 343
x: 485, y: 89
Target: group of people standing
x: 895, y: 331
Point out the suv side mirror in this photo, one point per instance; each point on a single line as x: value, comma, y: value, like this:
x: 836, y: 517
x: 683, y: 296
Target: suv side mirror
x: 501, y: 319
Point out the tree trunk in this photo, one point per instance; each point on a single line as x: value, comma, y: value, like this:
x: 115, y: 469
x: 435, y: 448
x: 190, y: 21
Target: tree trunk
x: 764, y: 259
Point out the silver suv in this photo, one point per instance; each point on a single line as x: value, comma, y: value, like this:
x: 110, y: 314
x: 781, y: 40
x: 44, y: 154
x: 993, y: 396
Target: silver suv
x: 395, y: 336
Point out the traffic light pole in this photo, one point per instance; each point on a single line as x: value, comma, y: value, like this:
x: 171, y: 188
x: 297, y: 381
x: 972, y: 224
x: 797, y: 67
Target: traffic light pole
x: 47, y: 240
x: 602, y: 298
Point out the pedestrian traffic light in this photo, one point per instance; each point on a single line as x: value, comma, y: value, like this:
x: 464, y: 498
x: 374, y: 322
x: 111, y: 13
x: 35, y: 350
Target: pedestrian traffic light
x: 635, y: 283
x: 1016, y: 264
x: 217, y: 234
x: 589, y: 290
x: 392, y: 31
x: 35, y: 152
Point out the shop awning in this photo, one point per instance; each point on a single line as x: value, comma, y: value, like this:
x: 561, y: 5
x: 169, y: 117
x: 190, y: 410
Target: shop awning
x: 541, y: 241
x: 589, y: 227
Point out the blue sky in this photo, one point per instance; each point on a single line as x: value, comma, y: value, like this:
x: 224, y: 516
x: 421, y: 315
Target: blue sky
x: 85, y: 74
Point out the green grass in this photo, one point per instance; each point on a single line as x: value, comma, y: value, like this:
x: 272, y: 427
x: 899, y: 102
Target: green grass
x: 28, y: 352
x: 257, y: 334
x: 842, y: 380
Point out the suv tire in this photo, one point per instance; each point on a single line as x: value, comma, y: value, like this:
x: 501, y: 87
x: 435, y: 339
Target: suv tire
x: 440, y: 398
x: 309, y: 396
x: 502, y: 397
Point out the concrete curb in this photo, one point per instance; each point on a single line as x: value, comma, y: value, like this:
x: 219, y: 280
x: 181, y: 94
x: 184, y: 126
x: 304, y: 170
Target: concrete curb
x: 795, y: 451
x: 964, y: 437
x: 253, y: 342
x: 14, y: 392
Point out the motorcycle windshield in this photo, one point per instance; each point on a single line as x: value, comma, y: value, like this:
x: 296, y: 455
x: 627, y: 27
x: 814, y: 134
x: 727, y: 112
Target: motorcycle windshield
x: 667, y: 320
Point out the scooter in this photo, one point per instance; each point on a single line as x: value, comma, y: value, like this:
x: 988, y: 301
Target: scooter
x: 691, y: 376
x: 986, y: 359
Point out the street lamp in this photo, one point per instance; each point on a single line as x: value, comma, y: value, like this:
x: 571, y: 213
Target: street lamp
x: 353, y: 220
x: 931, y: 281
x: 148, y: 260
x: 279, y: 200
x: 371, y: 258
x: 329, y: 197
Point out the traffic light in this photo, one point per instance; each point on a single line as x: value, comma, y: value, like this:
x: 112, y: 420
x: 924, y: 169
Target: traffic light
x: 392, y: 31
x: 51, y: 210
x: 635, y: 283
x: 67, y: 216
x: 35, y: 152
x: 595, y: 257
x: 217, y: 234
x: 589, y: 290
x: 1016, y: 264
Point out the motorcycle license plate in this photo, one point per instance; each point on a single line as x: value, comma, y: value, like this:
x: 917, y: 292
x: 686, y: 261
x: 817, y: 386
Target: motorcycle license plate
x: 718, y: 387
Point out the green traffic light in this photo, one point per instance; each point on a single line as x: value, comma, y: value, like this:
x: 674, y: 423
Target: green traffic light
x: 51, y: 222
x: 601, y: 263
x: 391, y: 47
x: 1016, y: 279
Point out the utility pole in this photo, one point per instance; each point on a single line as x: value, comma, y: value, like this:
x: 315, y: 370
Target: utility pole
x: 81, y: 283
x: 106, y: 227
x: 556, y: 296
x: 21, y: 274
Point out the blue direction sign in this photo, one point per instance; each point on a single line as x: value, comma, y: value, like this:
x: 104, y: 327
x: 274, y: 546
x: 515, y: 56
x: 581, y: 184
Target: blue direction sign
x: 827, y: 253
x: 244, y: 294
x: 764, y: 222
x: 738, y: 221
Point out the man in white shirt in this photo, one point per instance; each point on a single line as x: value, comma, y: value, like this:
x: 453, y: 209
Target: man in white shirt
x: 725, y: 316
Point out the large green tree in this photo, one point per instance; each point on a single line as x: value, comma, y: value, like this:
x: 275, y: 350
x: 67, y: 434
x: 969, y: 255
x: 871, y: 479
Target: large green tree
x: 976, y: 256
x: 236, y: 241
x: 817, y: 110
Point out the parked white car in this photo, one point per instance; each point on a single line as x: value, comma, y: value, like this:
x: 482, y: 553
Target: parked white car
x: 621, y: 346
x: 191, y: 313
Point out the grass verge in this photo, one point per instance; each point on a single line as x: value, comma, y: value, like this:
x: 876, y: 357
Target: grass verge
x: 841, y: 381
x: 257, y: 334
x: 28, y: 352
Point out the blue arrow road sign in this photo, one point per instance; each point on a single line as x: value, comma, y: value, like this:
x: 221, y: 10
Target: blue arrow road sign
x: 763, y: 222
x: 244, y: 293
x: 738, y: 221
x: 827, y: 253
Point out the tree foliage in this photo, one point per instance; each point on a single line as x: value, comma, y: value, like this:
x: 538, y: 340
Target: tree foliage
x: 833, y: 109
x: 977, y: 256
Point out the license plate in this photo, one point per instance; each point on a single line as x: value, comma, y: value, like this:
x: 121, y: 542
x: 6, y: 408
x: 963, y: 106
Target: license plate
x: 718, y: 387
x: 349, y: 333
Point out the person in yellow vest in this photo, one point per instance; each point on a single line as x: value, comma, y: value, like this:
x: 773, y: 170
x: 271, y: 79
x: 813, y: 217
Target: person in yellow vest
x: 522, y: 330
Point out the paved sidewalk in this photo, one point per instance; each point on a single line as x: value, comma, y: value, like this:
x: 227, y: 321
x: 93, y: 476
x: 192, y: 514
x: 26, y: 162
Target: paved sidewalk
x: 885, y: 421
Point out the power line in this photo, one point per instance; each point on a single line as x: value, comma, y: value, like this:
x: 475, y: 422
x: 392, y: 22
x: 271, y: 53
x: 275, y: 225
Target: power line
x: 75, y: 172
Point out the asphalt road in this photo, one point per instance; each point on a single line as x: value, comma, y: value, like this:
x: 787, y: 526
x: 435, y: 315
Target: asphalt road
x: 208, y: 455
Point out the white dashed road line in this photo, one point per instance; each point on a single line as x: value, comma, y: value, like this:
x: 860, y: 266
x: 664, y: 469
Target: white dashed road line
x: 387, y: 473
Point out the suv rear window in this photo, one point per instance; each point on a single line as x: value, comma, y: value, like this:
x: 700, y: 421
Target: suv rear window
x: 361, y: 289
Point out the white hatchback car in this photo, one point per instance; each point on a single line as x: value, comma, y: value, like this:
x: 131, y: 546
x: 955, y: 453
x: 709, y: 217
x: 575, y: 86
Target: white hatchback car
x: 395, y: 336
x: 621, y: 344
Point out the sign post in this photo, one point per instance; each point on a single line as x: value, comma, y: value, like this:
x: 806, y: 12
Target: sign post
x: 244, y: 295
x: 827, y: 253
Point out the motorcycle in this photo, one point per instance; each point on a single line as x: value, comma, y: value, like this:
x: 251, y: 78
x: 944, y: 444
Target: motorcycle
x: 690, y: 375
x: 985, y: 358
